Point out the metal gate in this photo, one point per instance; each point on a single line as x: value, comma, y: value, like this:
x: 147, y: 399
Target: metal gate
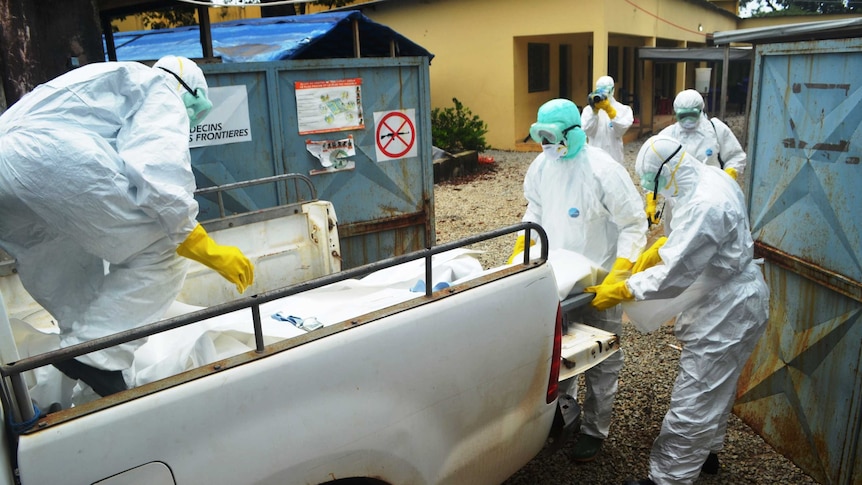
x: 802, y: 389
x: 384, y: 207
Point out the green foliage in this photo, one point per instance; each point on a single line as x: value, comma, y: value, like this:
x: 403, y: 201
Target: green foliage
x: 168, y: 18
x: 789, y: 8
x: 333, y: 3
x: 457, y: 129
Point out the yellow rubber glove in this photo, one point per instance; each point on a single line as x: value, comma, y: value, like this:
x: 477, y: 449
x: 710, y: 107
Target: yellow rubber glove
x: 228, y: 261
x: 519, y: 247
x: 732, y: 172
x: 650, y: 257
x: 609, y: 295
x: 621, y: 270
x: 651, y: 215
x: 605, y: 104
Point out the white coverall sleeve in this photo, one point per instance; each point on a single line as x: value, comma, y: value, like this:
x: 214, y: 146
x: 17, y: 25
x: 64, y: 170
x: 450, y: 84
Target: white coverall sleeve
x: 532, y: 193
x: 729, y: 148
x: 589, y: 121
x: 627, y: 212
x: 669, y: 131
x: 154, y: 144
x: 690, y: 247
x: 624, y: 119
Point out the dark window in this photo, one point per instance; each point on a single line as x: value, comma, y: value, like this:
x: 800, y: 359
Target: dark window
x: 538, y: 67
x: 613, y: 62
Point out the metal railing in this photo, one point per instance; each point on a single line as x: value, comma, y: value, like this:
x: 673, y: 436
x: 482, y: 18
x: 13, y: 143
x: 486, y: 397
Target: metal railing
x: 17, y: 391
x: 296, y: 178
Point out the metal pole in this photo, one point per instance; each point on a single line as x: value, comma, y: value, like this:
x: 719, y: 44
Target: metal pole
x: 356, y: 50
x: 724, y: 69
x: 206, y: 32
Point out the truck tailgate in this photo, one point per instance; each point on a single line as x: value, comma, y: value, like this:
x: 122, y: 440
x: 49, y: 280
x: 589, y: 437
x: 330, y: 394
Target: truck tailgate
x: 583, y: 346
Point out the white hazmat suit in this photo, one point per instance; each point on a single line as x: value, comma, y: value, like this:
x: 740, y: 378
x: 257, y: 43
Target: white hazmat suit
x: 97, y: 192
x: 587, y: 203
x: 709, y: 244
x: 603, y: 131
x: 709, y: 139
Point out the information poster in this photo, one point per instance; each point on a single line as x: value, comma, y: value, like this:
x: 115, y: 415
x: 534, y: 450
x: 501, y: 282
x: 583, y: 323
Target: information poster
x: 326, y: 106
x: 332, y: 154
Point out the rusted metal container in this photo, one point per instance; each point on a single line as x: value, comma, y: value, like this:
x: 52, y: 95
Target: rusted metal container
x: 802, y: 388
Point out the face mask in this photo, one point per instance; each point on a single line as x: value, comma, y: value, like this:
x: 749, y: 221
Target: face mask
x: 197, y: 107
x: 555, y: 152
x: 649, y: 181
x: 688, y: 123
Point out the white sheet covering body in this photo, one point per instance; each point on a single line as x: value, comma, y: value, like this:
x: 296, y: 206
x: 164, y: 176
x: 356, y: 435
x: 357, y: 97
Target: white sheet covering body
x: 185, y: 348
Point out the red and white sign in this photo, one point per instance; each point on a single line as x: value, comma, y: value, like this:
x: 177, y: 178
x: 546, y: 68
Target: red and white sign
x: 395, y: 134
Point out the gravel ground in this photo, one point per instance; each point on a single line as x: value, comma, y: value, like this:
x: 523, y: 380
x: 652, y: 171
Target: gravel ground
x: 493, y: 198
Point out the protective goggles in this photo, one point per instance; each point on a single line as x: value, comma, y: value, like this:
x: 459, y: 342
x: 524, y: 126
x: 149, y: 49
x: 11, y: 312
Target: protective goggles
x: 549, y: 133
x: 687, y: 113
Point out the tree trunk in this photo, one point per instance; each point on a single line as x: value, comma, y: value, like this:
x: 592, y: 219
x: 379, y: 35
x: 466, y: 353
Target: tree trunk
x: 44, y: 39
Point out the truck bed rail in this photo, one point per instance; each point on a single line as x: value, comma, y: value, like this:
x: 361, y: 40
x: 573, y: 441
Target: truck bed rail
x: 12, y: 372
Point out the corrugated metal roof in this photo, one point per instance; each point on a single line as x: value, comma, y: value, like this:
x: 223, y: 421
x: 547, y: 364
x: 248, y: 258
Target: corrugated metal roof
x: 827, y: 29
x: 683, y: 54
x: 314, y: 36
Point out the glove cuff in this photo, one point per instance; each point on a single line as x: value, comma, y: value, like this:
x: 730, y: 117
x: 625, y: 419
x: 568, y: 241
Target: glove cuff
x: 194, y: 240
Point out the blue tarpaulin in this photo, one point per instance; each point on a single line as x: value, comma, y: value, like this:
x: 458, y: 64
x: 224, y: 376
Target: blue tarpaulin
x: 315, y: 36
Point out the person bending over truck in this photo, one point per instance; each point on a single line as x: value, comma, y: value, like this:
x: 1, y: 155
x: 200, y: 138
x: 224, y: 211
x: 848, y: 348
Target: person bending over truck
x: 710, y: 248
x: 586, y: 202
x: 97, y: 202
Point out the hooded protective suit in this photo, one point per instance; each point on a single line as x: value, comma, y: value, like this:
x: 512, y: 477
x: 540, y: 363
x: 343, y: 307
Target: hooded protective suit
x: 709, y: 242
x: 603, y: 131
x: 708, y: 139
x: 587, y: 203
x: 96, y: 193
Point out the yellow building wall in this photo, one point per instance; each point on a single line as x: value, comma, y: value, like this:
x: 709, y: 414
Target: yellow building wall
x: 480, y: 47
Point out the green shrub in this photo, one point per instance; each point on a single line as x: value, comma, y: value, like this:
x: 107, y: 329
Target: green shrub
x: 457, y: 129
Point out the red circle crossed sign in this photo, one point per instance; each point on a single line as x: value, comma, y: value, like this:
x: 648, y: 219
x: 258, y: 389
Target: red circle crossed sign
x: 395, y: 134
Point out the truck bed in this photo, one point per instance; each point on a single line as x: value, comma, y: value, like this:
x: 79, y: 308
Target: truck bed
x: 425, y: 370
x: 384, y: 394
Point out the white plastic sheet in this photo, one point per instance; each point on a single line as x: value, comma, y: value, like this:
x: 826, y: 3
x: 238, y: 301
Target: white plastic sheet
x: 573, y: 271
x: 647, y: 316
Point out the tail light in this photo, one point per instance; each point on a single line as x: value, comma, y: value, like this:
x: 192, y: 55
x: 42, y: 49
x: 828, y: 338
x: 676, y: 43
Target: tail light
x: 554, y: 378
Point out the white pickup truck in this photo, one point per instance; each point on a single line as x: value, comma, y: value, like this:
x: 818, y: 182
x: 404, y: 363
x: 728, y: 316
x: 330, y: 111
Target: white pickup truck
x: 420, y: 369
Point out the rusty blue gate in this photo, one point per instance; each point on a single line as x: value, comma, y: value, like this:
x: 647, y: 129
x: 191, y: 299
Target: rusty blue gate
x: 384, y: 206
x: 802, y: 389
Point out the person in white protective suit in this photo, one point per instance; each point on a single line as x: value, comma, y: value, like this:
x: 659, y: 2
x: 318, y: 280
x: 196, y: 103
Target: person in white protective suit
x: 97, y: 203
x: 709, y: 246
x: 706, y: 139
x: 588, y: 204
x: 606, y: 120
